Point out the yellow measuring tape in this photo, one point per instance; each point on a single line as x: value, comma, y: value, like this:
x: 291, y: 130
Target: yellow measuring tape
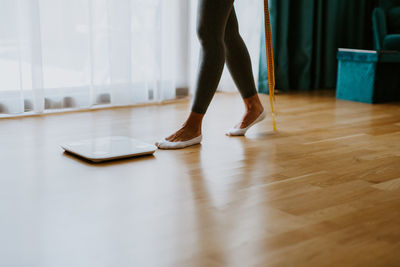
x: 270, y: 61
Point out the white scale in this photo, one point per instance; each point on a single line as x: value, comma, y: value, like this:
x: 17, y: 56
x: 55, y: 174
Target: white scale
x: 109, y: 148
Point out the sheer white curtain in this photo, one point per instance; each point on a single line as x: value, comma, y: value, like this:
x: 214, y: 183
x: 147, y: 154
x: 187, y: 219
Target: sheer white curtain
x: 60, y: 54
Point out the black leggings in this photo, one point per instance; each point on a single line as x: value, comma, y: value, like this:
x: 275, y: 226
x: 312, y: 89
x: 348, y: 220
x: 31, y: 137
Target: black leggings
x: 218, y: 32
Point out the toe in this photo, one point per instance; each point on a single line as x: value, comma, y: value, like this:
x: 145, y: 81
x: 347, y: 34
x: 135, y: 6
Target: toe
x: 160, y: 143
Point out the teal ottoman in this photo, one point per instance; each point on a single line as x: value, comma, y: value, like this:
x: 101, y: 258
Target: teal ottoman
x: 368, y: 76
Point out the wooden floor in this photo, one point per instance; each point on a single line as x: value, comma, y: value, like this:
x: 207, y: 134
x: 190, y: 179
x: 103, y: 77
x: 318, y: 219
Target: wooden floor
x: 322, y: 191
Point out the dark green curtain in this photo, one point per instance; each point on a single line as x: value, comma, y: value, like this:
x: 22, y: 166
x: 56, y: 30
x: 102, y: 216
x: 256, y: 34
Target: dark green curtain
x: 306, y: 36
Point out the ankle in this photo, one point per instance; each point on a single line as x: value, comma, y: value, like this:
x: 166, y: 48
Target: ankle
x: 194, y: 122
x: 250, y: 107
x: 253, y: 103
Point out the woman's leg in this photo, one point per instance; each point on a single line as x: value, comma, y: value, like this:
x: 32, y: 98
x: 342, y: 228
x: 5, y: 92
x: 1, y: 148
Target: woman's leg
x: 239, y: 65
x: 211, y: 25
x: 212, y: 17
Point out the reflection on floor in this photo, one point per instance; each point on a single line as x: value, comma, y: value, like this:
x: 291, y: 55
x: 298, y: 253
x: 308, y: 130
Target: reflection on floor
x: 323, y: 190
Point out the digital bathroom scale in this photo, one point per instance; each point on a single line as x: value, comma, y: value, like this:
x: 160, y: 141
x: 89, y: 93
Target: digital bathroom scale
x: 109, y: 148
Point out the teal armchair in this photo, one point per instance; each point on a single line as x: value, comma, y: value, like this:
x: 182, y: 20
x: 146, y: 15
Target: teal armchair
x: 386, y: 25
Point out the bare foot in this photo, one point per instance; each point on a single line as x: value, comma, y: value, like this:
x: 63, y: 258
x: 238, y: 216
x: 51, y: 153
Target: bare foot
x: 183, y: 134
x: 249, y: 117
x: 253, y: 109
x: 190, y: 129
